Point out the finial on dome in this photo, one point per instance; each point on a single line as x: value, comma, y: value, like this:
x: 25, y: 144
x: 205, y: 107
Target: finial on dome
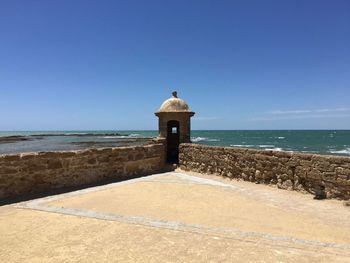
x: 174, y: 104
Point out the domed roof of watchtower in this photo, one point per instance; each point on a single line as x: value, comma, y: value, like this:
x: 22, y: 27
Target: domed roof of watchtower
x: 174, y: 104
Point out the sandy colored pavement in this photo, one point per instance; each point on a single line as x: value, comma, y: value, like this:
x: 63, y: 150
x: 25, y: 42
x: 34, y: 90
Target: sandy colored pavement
x: 176, y: 217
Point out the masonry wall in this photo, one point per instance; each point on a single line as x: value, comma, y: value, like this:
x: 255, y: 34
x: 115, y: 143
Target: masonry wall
x: 26, y: 173
x: 316, y: 174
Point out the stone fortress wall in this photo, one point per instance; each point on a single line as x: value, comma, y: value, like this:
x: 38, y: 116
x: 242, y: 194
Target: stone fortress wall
x: 324, y: 176
x: 28, y: 173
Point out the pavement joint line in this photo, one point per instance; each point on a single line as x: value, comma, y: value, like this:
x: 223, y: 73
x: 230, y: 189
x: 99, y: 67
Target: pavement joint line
x: 231, y: 233
x: 39, y: 204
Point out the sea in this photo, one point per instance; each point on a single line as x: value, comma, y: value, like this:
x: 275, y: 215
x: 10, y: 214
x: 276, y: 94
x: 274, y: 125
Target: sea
x: 329, y: 142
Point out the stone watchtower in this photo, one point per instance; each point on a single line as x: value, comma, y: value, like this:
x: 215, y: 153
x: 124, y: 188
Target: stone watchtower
x: 174, y: 125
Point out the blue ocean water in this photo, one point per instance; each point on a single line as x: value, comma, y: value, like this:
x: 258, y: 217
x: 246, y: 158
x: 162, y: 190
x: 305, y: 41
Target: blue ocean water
x: 335, y: 142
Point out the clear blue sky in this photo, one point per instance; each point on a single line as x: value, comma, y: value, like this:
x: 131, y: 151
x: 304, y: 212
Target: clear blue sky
x: 68, y: 65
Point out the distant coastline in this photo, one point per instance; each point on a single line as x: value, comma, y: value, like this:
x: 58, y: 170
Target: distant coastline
x: 18, y: 142
x: 334, y: 142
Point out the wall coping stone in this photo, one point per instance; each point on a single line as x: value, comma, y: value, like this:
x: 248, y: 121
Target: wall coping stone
x: 70, y: 153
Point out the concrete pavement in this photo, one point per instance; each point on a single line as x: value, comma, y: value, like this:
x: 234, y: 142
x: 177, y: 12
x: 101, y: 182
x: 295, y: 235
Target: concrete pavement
x: 176, y: 217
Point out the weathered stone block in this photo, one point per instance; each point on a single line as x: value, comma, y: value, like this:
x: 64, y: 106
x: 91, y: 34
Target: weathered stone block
x: 9, y: 158
x: 8, y: 170
x: 91, y: 160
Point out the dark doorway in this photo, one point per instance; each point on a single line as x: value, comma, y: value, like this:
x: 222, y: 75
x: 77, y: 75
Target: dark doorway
x: 173, y: 139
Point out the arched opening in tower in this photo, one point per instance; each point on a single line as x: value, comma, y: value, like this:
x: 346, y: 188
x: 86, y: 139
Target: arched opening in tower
x: 173, y: 141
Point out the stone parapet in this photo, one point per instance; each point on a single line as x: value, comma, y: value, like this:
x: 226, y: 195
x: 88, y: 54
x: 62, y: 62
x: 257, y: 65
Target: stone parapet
x: 36, y: 172
x: 324, y: 176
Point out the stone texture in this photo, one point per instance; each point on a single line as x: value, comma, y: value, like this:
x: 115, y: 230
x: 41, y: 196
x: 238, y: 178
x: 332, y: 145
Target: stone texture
x: 323, y: 176
x: 27, y: 173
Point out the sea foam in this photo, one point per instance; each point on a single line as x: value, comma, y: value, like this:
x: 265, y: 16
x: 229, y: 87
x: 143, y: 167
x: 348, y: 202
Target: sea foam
x: 115, y: 137
x: 344, y: 151
x: 241, y: 145
x: 134, y: 135
x: 202, y: 139
x: 275, y: 149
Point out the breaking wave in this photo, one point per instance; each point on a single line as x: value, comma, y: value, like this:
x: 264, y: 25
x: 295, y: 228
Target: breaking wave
x: 203, y: 139
x: 344, y: 151
x: 133, y: 135
x: 241, y: 145
x: 266, y: 147
x: 277, y: 149
x: 115, y: 137
x: 249, y: 145
x: 71, y: 133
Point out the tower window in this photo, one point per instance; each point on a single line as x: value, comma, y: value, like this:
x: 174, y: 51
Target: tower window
x: 174, y: 130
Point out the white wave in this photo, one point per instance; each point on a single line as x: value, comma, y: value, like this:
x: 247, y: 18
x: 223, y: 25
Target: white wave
x: 200, y: 139
x: 344, y: 151
x: 275, y: 149
x: 266, y: 146
x: 76, y: 133
x: 114, y: 137
x: 280, y: 138
x: 134, y: 135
